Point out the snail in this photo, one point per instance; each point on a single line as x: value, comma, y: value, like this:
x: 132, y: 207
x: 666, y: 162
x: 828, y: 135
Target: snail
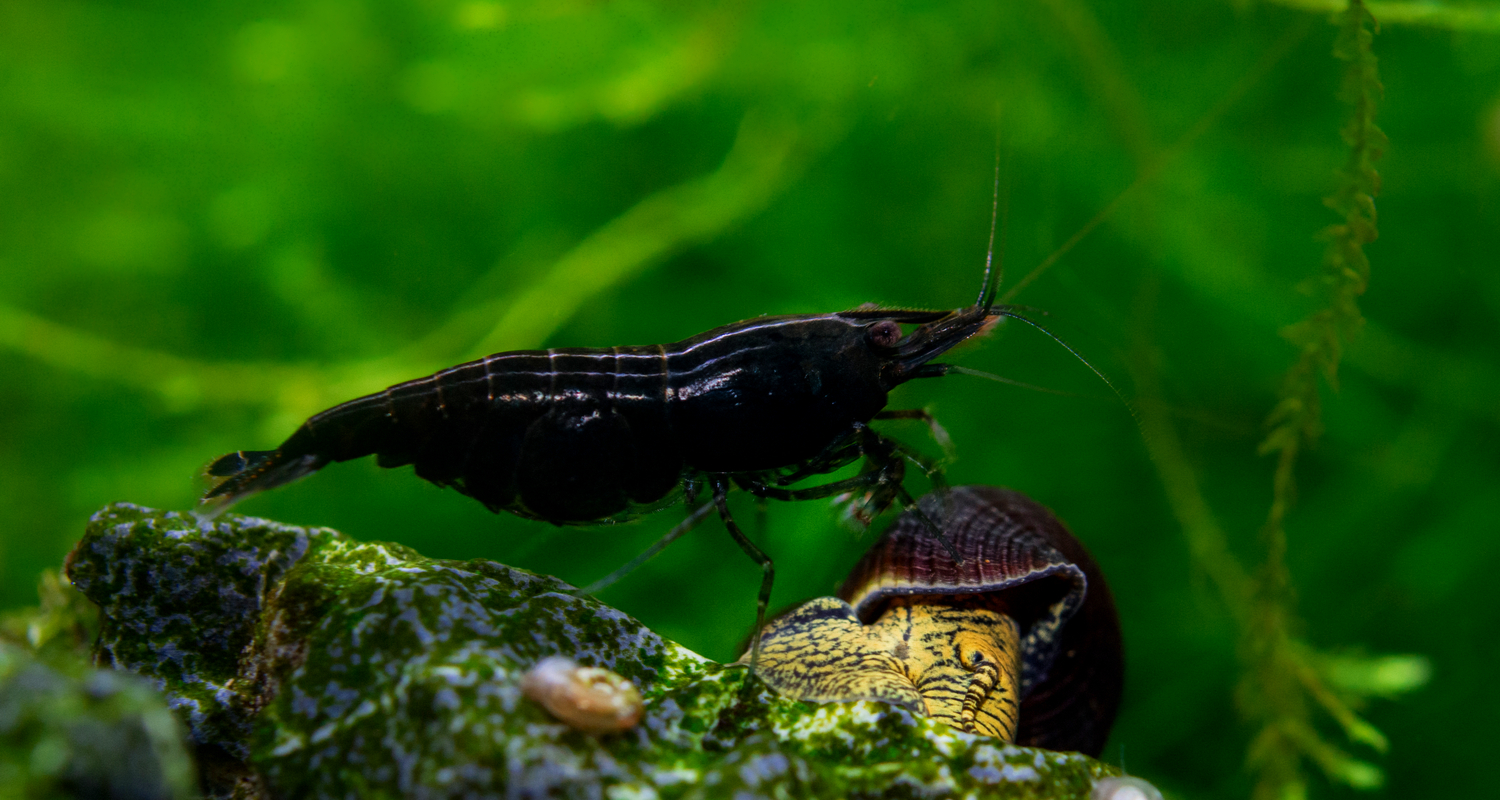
x: 1124, y: 787
x: 1019, y: 641
x: 590, y: 699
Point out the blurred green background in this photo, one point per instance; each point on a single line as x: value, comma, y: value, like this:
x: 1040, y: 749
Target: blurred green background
x: 217, y: 218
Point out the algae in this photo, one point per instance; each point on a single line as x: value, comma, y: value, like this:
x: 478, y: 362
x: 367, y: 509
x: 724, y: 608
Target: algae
x: 70, y: 731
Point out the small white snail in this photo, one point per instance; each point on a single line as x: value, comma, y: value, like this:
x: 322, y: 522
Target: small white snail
x: 1124, y: 787
x: 589, y: 699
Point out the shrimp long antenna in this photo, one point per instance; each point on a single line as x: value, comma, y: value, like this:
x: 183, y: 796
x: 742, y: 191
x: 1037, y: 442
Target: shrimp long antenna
x: 1006, y: 311
x: 994, y: 272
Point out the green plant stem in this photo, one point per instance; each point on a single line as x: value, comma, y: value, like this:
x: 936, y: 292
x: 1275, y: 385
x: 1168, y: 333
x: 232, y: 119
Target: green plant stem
x: 1149, y: 167
x: 767, y: 155
x: 1207, y: 542
x: 768, y: 152
x: 1428, y: 14
x: 1281, y: 680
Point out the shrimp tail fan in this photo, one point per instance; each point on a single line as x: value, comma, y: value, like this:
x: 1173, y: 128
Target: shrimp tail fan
x: 247, y: 472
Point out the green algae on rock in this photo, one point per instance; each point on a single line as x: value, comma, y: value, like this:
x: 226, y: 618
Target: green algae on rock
x: 326, y: 667
x: 180, y: 601
x: 67, y: 730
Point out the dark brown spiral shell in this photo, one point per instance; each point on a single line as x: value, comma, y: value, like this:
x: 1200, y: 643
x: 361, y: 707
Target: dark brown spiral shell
x: 1017, y: 552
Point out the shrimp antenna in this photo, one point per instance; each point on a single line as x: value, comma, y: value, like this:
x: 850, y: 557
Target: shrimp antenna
x: 1006, y: 311
x: 990, y: 376
x: 994, y: 270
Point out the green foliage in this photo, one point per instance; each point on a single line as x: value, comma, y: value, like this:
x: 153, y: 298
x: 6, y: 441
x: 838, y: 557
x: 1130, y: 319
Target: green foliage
x: 217, y: 219
x: 63, y: 621
x: 1282, y: 680
x: 68, y: 730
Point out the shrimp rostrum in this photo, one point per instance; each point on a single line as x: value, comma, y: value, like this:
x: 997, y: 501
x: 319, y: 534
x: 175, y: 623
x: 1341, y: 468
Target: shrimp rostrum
x: 580, y: 436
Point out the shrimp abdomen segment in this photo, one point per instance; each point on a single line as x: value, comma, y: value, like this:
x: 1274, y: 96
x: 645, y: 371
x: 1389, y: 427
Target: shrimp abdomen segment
x: 569, y: 435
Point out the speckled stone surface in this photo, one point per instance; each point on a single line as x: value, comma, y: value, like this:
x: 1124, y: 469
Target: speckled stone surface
x: 318, y: 666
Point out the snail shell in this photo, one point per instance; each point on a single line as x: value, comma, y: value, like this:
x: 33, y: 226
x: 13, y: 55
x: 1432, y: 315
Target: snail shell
x: 590, y: 699
x: 1020, y: 558
x: 1124, y: 787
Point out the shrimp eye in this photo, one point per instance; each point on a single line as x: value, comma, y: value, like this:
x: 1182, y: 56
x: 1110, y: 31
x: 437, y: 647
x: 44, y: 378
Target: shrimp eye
x: 884, y: 333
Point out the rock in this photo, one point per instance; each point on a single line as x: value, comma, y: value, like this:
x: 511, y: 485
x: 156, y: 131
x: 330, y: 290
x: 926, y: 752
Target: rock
x: 308, y: 664
x: 70, y: 731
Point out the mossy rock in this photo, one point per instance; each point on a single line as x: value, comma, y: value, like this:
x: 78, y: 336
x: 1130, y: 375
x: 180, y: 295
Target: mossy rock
x: 69, y: 731
x: 308, y: 664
